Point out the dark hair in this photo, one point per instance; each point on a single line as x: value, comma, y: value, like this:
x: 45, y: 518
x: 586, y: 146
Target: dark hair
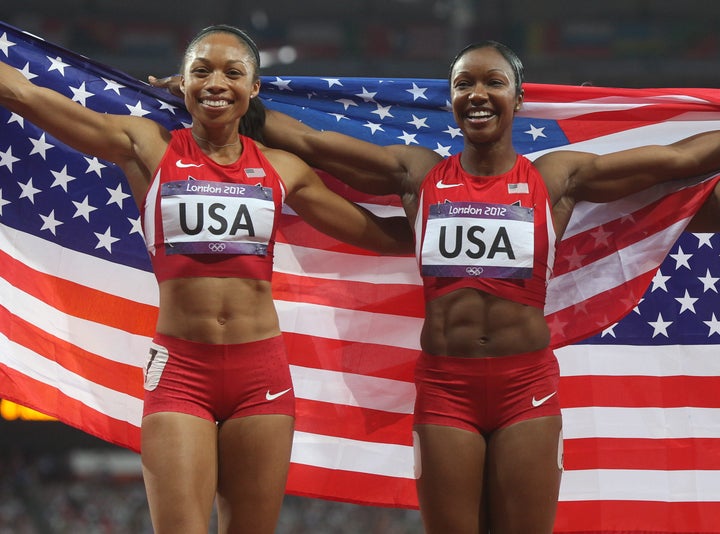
x: 510, y: 56
x: 253, y: 122
x: 226, y: 28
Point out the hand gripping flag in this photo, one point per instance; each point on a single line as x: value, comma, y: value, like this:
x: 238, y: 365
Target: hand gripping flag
x: 638, y: 345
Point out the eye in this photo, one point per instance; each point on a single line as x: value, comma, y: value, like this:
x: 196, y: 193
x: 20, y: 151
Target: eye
x: 199, y: 71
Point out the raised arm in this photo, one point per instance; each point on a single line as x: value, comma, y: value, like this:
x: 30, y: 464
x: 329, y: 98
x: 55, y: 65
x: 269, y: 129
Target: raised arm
x: 604, y: 178
x: 133, y: 143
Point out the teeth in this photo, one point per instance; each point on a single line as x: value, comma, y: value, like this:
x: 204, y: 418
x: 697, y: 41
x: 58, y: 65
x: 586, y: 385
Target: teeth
x: 215, y: 103
x: 479, y: 114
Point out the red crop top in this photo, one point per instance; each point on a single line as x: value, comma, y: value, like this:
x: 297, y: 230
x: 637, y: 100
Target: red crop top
x: 201, y: 218
x: 491, y: 233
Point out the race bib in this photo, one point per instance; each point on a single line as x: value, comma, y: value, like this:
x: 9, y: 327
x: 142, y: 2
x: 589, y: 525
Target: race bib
x: 475, y: 239
x: 216, y: 218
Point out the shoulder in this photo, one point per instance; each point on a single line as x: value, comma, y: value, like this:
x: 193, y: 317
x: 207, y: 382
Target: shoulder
x: 293, y: 171
x: 417, y: 162
x: 558, y: 167
x: 280, y: 159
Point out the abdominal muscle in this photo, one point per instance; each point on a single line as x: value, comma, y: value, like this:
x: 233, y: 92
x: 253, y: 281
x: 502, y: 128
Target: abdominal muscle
x: 217, y: 310
x: 470, y: 323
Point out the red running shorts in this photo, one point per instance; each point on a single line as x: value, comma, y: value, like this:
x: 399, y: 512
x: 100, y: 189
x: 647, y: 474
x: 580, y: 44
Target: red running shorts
x: 485, y: 394
x: 218, y: 382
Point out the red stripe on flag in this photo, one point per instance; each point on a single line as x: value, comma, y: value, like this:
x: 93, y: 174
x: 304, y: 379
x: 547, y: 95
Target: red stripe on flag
x: 352, y: 422
x: 353, y: 487
x: 49, y: 400
x: 93, y: 367
x: 369, y: 359
x: 655, y: 454
x: 626, y: 231
x: 592, y: 125
x: 640, y: 391
x: 637, y: 517
x: 80, y: 301
x: 393, y: 299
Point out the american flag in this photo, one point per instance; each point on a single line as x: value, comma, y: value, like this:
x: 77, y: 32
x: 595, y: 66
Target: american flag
x: 640, y: 394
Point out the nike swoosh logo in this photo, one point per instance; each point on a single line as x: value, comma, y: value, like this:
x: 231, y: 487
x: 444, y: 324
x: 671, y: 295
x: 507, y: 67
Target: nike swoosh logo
x: 272, y: 396
x: 182, y: 165
x: 540, y: 402
x: 441, y: 185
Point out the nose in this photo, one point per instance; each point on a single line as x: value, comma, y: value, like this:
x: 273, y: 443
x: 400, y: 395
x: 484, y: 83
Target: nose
x: 215, y: 79
x: 478, y: 93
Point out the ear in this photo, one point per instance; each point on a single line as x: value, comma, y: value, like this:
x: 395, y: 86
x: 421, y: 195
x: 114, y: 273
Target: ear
x: 181, y: 85
x: 519, y: 100
x: 256, y: 89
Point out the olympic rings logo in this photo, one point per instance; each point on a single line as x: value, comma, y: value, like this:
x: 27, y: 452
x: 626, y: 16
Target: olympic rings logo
x: 474, y: 271
x: 216, y: 247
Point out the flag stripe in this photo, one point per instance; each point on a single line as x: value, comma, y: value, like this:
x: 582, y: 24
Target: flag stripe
x: 345, y: 454
x: 641, y: 485
x: 627, y: 360
x: 97, y: 338
x: 93, y: 396
x: 340, y: 355
x: 62, y: 404
x: 670, y: 392
x: 632, y: 516
x: 79, y: 300
x: 621, y: 453
x: 647, y: 422
x: 342, y: 421
x: 85, y: 365
x: 392, y: 299
x: 351, y: 486
x: 47, y: 257
x: 342, y: 266
x: 336, y: 323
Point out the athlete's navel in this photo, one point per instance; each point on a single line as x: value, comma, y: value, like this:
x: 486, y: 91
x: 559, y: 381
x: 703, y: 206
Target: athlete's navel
x: 483, y: 340
x: 221, y: 320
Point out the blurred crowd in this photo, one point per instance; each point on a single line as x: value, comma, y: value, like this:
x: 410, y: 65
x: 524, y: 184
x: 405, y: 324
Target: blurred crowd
x: 40, y: 495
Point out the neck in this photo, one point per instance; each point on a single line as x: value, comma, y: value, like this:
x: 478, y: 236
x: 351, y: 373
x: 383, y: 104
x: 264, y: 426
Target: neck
x: 491, y: 159
x: 213, y: 145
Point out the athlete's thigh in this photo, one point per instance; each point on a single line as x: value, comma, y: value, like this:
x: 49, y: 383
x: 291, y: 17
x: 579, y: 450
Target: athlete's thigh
x: 524, y: 467
x: 449, y: 471
x: 179, y: 459
x: 254, y: 461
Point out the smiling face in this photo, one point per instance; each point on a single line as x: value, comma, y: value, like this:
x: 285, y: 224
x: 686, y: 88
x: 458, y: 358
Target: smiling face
x: 484, y: 95
x: 219, y: 78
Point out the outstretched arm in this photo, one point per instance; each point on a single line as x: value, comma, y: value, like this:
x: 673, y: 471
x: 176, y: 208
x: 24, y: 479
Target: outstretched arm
x: 611, y: 176
x: 131, y: 142
x: 367, y: 167
x: 336, y: 216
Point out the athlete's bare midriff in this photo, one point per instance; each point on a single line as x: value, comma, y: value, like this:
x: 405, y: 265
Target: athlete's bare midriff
x: 217, y: 310
x: 470, y: 323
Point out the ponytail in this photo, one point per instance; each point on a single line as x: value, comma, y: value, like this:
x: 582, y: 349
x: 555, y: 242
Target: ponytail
x: 253, y: 122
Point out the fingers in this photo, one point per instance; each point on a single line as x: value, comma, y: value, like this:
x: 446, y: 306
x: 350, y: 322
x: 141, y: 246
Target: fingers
x: 170, y: 83
x: 159, y: 82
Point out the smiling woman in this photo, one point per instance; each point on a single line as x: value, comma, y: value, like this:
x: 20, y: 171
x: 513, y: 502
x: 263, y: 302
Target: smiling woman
x: 219, y: 406
x: 487, y: 417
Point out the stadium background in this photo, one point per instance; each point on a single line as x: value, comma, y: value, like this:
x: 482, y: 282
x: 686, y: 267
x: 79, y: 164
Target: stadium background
x: 55, y: 479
